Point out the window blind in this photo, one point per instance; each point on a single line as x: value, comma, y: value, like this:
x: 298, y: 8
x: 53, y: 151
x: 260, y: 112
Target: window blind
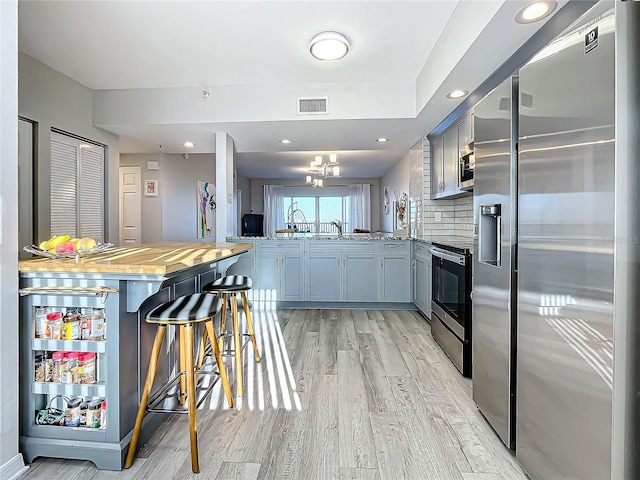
x: 77, y: 187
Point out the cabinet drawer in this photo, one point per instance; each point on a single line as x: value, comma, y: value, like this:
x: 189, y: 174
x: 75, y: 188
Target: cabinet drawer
x: 279, y: 245
x: 421, y: 249
x: 391, y: 246
x: 338, y: 246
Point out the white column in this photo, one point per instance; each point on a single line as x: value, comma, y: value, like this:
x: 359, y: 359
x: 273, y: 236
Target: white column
x: 224, y: 186
x: 11, y: 462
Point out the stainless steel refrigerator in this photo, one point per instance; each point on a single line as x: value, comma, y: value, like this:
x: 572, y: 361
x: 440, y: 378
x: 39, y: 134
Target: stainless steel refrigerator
x: 565, y: 262
x: 494, y: 260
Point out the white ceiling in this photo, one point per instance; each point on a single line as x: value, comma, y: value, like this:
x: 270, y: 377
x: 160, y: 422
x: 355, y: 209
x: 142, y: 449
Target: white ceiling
x: 149, y: 61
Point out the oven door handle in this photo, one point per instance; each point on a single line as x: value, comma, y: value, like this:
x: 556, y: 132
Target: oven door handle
x: 452, y: 257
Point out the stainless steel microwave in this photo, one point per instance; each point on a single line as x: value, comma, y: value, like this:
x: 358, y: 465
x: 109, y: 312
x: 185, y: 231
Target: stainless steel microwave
x: 467, y: 166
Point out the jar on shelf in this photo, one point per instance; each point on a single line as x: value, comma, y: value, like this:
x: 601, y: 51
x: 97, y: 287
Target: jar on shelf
x: 55, y: 325
x: 87, y: 367
x: 59, y: 366
x: 98, y: 324
x: 71, y: 372
x: 93, y: 413
x: 85, y: 323
x: 71, y: 324
x: 83, y: 412
x: 72, y: 412
x: 48, y: 368
x: 39, y: 368
x: 41, y: 322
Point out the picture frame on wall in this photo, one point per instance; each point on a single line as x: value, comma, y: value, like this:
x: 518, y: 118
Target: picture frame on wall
x: 151, y: 188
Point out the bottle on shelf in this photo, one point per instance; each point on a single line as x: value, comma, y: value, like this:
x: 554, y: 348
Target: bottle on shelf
x: 41, y: 322
x: 71, y: 373
x: 55, y: 325
x: 59, y: 366
x: 87, y: 367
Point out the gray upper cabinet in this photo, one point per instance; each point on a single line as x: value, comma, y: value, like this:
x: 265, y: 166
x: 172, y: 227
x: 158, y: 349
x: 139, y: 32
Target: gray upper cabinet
x: 445, y: 158
x: 437, y: 171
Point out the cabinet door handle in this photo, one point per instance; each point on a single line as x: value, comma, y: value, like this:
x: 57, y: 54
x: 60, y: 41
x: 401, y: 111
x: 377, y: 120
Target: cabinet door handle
x: 338, y: 262
x: 381, y: 261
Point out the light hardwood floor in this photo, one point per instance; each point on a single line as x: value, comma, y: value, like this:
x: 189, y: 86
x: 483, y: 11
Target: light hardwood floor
x: 339, y: 394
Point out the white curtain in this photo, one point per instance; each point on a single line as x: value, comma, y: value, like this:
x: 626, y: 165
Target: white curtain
x: 273, y: 209
x: 360, y: 199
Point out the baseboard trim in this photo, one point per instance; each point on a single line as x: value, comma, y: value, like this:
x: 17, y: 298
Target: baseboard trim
x: 14, y: 468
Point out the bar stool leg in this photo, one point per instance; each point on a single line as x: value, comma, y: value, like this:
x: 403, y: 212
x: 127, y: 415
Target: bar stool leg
x: 247, y: 314
x: 183, y: 386
x: 201, y: 350
x: 148, y: 383
x: 237, y: 345
x: 191, y: 395
x: 223, y: 317
x: 221, y: 367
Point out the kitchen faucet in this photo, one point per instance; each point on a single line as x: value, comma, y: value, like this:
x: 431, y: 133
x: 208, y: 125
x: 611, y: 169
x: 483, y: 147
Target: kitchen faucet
x: 338, y: 225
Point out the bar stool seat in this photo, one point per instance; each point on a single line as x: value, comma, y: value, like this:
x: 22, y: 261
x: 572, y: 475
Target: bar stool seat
x: 228, y: 287
x: 182, y: 312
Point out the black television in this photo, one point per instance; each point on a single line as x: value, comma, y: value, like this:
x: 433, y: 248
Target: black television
x: 253, y: 225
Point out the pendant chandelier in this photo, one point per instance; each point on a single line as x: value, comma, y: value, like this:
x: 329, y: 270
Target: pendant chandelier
x: 322, y: 167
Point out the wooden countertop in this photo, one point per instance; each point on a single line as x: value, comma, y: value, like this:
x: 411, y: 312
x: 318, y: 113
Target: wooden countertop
x: 160, y: 258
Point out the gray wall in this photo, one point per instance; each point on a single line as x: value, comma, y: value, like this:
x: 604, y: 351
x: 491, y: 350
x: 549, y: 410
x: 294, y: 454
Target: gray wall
x: 257, y: 193
x: 244, y: 185
x: 398, y: 178
x: 53, y: 100
x: 172, y: 215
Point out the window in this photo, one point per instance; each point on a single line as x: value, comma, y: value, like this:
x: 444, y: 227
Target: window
x: 77, y: 187
x: 313, y: 213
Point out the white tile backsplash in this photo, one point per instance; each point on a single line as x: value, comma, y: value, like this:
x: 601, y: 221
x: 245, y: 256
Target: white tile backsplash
x: 456, y: 214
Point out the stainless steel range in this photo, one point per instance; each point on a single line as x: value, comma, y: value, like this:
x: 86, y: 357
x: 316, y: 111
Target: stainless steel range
x: 451, y: 303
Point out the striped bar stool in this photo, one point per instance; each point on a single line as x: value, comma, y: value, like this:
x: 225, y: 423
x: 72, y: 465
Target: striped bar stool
x: 228, y: 287
x: 183, y: 312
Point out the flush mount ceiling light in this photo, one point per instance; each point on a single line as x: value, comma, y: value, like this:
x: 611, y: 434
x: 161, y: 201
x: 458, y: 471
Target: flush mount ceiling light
x: 329, y: 46
x: 285, y: 141
x: 189, y: 144
x: 457, y: 94
x: 382, y: 140
x: 535, y: 11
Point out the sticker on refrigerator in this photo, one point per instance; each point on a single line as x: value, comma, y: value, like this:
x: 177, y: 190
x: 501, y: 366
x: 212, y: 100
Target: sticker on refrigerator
x: 591, y: 40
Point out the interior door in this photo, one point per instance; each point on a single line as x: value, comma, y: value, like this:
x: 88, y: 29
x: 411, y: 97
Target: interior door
x: 130, y: 206
x: 25, y: 185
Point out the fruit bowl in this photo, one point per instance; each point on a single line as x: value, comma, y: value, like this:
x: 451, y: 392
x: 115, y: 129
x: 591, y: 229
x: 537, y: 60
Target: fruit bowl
x: 99, y: 248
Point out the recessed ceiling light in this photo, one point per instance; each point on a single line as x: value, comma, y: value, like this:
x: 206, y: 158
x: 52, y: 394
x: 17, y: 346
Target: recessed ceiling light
x: 382, y: 140
x: 329, y: 46
x: 189, y: 144
x: 285, y: 141
x: 457, y: 94
x: 535, y: 11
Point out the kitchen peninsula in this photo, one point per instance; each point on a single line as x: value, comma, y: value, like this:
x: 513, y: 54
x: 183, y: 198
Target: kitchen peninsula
x: 123, y: 284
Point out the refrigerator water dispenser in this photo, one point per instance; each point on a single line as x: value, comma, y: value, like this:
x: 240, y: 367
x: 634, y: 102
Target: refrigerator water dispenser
x: 489, y: 235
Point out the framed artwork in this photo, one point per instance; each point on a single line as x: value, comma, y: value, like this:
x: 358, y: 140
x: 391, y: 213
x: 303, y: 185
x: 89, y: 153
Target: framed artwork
x: 151, y: 188
x: 386, y: 199
x: 206, y: 209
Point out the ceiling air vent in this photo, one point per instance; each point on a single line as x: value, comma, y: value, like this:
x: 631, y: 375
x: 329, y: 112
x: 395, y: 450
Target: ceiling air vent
x: 313, y: 105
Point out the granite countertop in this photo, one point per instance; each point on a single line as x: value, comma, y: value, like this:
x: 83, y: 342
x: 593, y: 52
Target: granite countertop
x: 151, y: 258
x: 311, y: 236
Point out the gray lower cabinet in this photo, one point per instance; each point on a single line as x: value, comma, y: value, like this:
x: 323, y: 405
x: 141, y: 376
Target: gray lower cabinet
x: 341, y: 271
x: 323, y: 276
x: 394, y: 275
x: 422, y: 279
x: 279, y: 270
x: 359, y: 277
x: 329, y: 270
